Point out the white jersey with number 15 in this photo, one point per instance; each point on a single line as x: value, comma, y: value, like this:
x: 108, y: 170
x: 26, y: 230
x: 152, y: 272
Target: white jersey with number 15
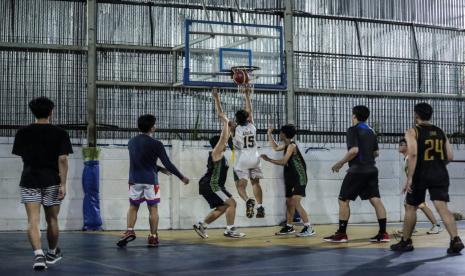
x: 245, y: 147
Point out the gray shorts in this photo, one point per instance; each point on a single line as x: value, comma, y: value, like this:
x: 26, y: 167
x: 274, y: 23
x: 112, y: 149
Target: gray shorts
x: 47, y: 196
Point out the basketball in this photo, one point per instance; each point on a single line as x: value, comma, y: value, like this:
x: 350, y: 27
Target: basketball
x: 240, y: 77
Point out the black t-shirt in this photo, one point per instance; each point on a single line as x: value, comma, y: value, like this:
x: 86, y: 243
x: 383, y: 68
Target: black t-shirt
x: 40, y: 145
x: 363, y: 137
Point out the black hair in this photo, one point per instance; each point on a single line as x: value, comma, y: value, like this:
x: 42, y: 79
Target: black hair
x: 241, y: 117
x: 402, y: 141
x: 146, y: 122
x: 424, y: 111
x: 361, y: 112
x: 41, y: 107
x: 214, y: 140
x: 289, y: 131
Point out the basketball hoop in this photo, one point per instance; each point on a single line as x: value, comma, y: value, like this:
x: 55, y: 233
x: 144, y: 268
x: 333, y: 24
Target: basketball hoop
x: 243, y: 76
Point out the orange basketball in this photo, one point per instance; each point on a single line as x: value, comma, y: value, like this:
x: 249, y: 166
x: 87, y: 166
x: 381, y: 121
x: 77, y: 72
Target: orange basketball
x: 240, y: 77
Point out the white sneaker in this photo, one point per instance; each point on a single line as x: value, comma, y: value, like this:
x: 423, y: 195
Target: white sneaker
x: 307, y: 231
x: 233, y: 233
x: 201, y: 230
x: 436, y: 229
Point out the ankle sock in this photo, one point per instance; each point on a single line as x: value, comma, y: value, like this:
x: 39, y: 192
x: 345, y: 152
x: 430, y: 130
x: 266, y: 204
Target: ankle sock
x: 38, y: 252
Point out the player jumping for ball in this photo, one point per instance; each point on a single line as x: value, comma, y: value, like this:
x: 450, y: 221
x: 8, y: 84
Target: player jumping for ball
x: 247, y: 160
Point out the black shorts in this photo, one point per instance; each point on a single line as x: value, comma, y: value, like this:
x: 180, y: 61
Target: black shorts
x: 294, y: 186
x: 364, y: 185
x: 438, y: 190
x: 295, y: 189
x: 215, y: 199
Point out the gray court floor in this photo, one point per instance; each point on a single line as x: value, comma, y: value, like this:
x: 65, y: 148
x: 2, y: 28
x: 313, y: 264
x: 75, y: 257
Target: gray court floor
x: 96, y: 254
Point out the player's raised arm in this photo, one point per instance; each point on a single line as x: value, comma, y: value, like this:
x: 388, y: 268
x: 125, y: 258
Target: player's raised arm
x: 248, y: 104
x: 218, y: 151
x: 273, y: 143
x: 216, y: 98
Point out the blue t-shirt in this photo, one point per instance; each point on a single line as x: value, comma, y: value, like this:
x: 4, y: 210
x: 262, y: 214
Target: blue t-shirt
x: 144, y: 151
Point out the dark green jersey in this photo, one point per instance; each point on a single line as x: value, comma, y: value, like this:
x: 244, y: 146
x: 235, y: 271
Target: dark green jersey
x: 431, y: 153
x: 295, y: 169
x: 216, y: 174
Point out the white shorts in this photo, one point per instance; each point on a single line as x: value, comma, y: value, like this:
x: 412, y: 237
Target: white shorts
x: 254, y: 173
x: 139, y: 193
x: 47, y: 196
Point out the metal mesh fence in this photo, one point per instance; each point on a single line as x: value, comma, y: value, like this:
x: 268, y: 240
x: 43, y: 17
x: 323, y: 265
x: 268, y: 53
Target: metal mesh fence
x: 325, y: 118
x: 58, y: 75
x: 181, y: 113
x: 338, y: 64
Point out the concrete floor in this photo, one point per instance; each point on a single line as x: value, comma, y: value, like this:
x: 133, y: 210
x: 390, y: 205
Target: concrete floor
x: 182, y: 252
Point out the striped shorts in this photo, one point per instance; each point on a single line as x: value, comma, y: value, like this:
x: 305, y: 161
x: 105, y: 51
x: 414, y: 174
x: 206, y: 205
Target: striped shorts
x: 47, y: 196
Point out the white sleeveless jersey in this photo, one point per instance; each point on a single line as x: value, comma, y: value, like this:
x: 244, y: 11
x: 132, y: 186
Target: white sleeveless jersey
x: 245, y: 147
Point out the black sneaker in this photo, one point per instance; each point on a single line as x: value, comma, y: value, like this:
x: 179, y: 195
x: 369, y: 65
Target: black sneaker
x: 286, y: 230
x: 456, y: 246
x: 53, y: 258
x: 403, y: 246
x: 39, y: 262
x: 260, y: 212
x: 250, y: 204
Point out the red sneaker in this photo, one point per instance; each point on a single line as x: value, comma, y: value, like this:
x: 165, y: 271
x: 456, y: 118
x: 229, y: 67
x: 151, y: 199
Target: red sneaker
x: 381, y: 237
x: 128, y: 236
x: 337, y: 238
x: 152, y: 241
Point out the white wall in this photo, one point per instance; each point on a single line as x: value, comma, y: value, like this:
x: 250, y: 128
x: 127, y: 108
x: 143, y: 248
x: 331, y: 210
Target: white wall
x: 181, y: 205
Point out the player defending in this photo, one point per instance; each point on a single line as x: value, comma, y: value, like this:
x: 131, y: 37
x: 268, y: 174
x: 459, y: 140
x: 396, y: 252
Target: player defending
x: 144, y: 151
x: 429, y: 151
x: 295, y: 178
x: 362, y: 177
x: 436, y: 227
x: 247, y: 163
x: 211, y: 185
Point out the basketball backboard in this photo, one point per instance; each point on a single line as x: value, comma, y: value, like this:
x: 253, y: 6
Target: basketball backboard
x: 212, y: 48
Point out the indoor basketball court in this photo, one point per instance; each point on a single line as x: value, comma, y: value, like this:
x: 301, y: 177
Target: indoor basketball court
x: 273, y: 137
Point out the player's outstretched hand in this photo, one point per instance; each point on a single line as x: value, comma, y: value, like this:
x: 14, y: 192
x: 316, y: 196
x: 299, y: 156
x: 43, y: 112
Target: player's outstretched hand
x: 185, y: 180
x: 265, y: 157
x: 336, y: 167
x: 165, y: 171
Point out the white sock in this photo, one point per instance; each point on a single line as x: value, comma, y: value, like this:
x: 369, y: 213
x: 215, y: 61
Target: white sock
x: 52, y: 251
x: 38, y: 252
x: 307, y: 224
x: 205, y: 225
x: 259, y: 205
x: 289, y: 225
x: 130, y: 229
x: 229, y: 227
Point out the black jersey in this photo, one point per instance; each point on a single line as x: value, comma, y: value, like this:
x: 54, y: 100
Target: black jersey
x: 431, y: 153
x: 295, y: 169
x: 363, y: 137
x: 215, y: 178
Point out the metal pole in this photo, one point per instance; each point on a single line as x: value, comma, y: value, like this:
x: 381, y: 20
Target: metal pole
x: 91, y: 73
x: 289, y: 56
